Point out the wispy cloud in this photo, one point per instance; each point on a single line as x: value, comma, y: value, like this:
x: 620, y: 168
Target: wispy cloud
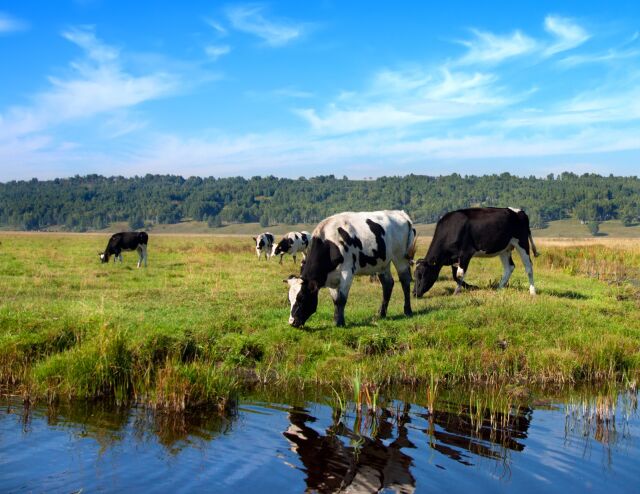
x: 217, y: 27
x: 251, y: 19
x: 399, y: 99
x: 216, y: 51
x: 492, y: 48
x: 96, y: 84
x: 568, y: 34
x: 9, y: 24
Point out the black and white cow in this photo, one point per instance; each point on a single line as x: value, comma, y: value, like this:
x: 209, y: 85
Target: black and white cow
x: 476, y: 232
x: 349, y: 244
x: 292, y: 243
x: 126, y: 241
x: 264, y: 245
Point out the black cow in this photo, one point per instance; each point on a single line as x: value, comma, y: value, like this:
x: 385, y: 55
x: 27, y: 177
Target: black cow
x: 476, y: 232
x: 126, y: 241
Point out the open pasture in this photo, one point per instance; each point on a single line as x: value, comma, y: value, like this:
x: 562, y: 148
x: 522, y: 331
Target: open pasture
x: 206, y: 319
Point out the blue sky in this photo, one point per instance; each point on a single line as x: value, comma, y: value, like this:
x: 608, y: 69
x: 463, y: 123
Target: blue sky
x: 301, y: 88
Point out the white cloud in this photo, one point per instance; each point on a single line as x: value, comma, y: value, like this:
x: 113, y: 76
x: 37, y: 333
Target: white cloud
x: 219, y: 28
x: 568, y: 34
x: 9, y: 24
x: 216, y: 51
x: 250, y: 19
x: 489, y: 48
x: 401, y: 99
x: 97, y: 84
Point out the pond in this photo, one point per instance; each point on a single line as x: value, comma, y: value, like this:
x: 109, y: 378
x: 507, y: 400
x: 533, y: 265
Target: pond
x: 460, y: 441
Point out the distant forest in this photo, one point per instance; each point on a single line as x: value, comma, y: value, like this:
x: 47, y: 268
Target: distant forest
x: 93, y: 202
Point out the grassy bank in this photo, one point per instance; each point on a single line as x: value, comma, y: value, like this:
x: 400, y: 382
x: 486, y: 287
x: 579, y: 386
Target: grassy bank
x: 206, y: 319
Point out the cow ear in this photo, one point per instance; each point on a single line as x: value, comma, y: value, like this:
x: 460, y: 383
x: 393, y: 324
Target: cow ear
x: 291, y: 279
x: 254, y: 239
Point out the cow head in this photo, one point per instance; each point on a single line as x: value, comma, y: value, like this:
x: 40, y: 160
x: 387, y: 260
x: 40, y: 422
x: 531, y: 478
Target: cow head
x: 282, y: 247
x: 303, y: 296
x: 104, y: 257
x: 426, y: 274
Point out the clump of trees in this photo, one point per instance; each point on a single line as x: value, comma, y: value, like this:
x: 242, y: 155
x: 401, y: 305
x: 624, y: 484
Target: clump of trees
x: 93, y: 202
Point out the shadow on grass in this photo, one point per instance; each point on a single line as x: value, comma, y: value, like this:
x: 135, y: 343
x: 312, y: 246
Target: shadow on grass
x: 571, y: 294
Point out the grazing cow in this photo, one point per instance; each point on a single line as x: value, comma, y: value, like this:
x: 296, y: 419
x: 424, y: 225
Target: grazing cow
x: 349, y: 244
x: 476, y: 232
x: 264, y: 245
x: 126, y: 241
x: 292, y: 243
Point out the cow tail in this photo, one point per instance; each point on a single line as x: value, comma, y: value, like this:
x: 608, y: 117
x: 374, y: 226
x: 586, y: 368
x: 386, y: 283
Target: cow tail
x: 524, y: 216
x: 411, y: 243
x: 533, y: 246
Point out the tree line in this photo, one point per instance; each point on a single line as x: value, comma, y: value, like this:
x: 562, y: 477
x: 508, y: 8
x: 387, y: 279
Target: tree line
x: 92, y: 202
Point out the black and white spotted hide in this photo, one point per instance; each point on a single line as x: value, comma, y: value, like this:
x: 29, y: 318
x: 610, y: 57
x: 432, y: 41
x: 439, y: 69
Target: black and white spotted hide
x: 264, y: 245
x: 350, y: 244
x: 293, y: 243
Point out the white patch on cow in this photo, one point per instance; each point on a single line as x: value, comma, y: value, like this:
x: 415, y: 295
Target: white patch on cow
x: 507, y: 268
x: 267, y: 247
x: 295, y: 285
x: 515, y: 210
x: 102, y: 257
x: 460, y: 273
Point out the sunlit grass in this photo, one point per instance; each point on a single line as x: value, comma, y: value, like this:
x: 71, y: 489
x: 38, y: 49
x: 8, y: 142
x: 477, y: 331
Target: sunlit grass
x: 206, y: 319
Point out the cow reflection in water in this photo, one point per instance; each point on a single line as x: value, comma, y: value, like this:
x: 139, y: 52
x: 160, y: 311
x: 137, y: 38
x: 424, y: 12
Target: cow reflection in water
x: 375, y: 463
x: 487, y: 434
x: 370, y: 466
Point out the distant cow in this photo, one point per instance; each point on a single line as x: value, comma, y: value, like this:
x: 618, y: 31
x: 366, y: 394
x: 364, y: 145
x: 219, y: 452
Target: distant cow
x: 476, y: 232
x: 126, y: 241
x: 349, y: 244
x: 264, y: 245
x: 292, y: 243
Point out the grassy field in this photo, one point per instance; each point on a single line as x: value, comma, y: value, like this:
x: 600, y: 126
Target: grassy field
x: 206, y: 319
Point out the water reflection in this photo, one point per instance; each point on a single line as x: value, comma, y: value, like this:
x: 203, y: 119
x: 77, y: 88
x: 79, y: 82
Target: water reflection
x: 481, y: 439
x: 341, y: 457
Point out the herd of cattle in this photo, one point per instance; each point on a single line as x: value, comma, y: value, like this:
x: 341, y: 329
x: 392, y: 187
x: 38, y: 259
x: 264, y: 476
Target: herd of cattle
x: 349, y: 244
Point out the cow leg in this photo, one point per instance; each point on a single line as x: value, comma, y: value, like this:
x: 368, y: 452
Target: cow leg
x: 339, y: 301
x: 294, y: 258
x: 140, y: 255
x: 386, y: 280
x: 508, y: 266
x: 281, y: 256
x: 144, y: 253
x: 405, y: 281
x: 454, y: 271
x: 523, y: 250
x: 461, y: 271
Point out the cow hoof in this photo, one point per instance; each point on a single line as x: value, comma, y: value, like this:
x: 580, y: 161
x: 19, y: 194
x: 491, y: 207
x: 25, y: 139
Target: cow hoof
x: 408, y: 313
x: 532, y: 290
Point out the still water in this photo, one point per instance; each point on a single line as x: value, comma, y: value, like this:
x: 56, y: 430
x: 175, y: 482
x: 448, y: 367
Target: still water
x: 469, y: 441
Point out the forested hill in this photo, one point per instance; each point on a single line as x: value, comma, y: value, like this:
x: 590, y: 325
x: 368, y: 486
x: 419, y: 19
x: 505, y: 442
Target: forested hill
x: 92, y: 202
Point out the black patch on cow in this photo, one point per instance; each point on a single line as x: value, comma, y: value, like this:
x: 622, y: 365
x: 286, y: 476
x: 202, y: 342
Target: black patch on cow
x: 380, y: 252
x: 323, y: 258
x: 305, y: 240
x: 353, y: 267
x: 284, y: 246
x: 261, y: 243
x: 269, y: 238
x: 348, y: 240
x: 296, y: 236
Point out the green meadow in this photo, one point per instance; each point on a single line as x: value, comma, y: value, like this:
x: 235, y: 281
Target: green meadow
x: 207, y: 320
